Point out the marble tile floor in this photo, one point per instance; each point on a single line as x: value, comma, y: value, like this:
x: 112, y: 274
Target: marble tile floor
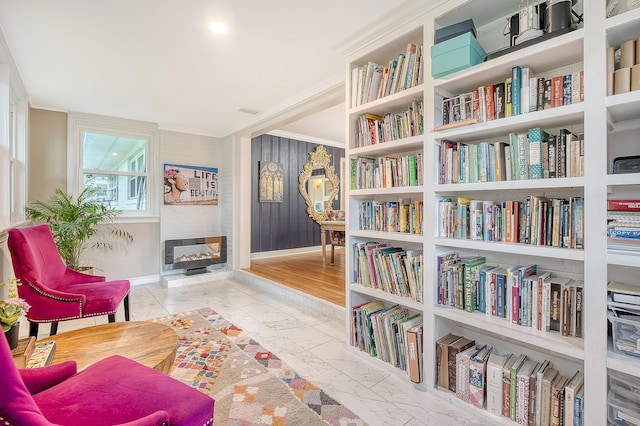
x: 310, y: 342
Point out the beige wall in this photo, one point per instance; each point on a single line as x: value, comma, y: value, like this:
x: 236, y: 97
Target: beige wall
x: 144, y: 258
x: 47, y: 162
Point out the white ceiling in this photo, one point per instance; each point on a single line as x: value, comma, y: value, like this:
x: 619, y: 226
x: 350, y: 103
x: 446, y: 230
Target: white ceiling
x: 156, y: 60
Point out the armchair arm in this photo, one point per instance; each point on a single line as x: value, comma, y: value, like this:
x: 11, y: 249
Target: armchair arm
x: 159, y: 418
x: 75, y: 277
x: 38, y: 379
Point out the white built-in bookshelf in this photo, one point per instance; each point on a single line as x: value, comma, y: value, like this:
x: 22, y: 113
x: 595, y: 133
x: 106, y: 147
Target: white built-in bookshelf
x: 609, y: 125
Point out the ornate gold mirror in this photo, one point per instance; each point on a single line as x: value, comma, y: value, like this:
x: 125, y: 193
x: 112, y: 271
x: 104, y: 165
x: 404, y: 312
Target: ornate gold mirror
x: 318, y: 184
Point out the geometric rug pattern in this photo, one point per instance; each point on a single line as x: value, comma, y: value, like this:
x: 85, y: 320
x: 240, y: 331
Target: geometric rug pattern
x: 251, y: 385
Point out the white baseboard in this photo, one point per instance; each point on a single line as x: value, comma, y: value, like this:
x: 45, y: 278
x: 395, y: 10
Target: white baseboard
x: 179, y: 280
x: 149, y: 279
x: 287, y: 252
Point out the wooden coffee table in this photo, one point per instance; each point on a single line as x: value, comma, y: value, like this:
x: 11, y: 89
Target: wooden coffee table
x: 149, y: 343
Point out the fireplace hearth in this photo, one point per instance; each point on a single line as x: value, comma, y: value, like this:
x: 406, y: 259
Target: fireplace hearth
x: 194, y: 255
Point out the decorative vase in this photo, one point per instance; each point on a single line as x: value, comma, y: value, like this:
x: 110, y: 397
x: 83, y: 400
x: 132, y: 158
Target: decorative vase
x: 13, y: 335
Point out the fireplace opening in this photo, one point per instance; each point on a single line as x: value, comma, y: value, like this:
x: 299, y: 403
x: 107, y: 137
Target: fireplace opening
x: 195, y: 254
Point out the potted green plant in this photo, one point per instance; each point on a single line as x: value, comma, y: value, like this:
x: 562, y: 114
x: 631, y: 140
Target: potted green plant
x: 11, y: 310
x: 73, y: 221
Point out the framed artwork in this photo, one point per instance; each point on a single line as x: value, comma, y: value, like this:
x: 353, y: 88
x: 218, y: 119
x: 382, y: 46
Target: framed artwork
x: 271, y: 182
x: 190, y: 185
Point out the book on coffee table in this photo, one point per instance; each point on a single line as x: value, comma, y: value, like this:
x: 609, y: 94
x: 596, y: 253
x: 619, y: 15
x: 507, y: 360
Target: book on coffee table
x: 22, y: 353
x: 42, y: 354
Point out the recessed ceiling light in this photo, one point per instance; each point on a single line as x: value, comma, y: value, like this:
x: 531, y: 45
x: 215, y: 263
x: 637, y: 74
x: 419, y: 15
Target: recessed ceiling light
x: 115, y: 154
x: 218, y: 27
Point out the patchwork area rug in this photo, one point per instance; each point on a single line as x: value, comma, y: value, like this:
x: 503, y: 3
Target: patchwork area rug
x: 251, y: 386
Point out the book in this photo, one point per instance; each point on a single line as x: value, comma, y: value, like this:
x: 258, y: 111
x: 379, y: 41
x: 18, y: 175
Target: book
x: 43, y: 354
x: 506, y: 384
x: 494, y: 382
x: 578, y: 408
x: 523, y: 391
x: 545, y: 395
x: 516, y: 86
x: 566, y: 89
x: 555, y: 302
x: 463, y: 362
x: 513, y: 389
x: 460, y: 345
x: 414, y: 350
x: 573, y: 385
x: 477, y: 377
x: 557, y: 399
x: 623, y: 205
x: 537, y: 405
x: 499, y: 102
x: 442, y: 359
x: 22, y: 353
x: 525, y: 80
x: 536, y: 137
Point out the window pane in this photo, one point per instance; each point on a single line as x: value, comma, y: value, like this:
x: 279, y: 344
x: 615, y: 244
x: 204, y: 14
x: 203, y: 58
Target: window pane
x: 113, y: 191
x: 108, y: 152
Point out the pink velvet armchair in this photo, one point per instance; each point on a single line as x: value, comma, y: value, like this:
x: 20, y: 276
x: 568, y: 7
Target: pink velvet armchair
x: 113, y: 391
x: 55, y: 292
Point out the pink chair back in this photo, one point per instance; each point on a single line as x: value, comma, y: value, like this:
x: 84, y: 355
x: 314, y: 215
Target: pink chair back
x: 35, y: 257
x: 17, y: 406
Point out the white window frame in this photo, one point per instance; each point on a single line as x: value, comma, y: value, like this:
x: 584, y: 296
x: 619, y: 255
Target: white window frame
x: 14, y: 110
x: 79, y: 123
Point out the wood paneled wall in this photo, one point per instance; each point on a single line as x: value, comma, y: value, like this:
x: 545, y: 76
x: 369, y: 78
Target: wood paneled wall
x: 286, y: 225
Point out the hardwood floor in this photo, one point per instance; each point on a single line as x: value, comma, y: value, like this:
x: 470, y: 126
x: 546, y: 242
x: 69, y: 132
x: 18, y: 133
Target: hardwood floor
x: 307, y: 273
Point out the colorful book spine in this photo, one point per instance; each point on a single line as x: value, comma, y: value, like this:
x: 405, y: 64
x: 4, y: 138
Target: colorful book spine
x: 516, y: 86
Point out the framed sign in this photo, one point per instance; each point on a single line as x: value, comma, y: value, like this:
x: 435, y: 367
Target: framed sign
x: 189, y: 185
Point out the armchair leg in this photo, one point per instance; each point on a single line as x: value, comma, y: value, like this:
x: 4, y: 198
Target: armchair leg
x: 126, y: 308
x: 112, y: 317
x: 54, y: 329
x: 333, y: 252
x: 33, y: 329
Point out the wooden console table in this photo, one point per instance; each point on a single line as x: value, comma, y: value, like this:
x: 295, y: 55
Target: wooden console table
x: 325, y: 226
x: 149, y: 343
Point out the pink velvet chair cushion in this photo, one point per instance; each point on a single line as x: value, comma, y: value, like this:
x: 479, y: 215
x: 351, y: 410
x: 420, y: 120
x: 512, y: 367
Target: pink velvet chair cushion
x: 113, y: 391
x: 118, y: 390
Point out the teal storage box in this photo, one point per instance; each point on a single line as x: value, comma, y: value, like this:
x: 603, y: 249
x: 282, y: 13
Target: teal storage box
x: 456, y: 54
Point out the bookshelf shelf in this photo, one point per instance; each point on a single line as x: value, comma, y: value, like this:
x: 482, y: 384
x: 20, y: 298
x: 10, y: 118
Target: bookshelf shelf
x: 548, y: 55
x: 623, y: 27
x: 565, y: 183
x: 397, y: 192
x: 623, y: 179
x: 622, y: 108
x: 555, y: 117
x: 387, y: 236
x: 622, y: 363
x: 389, y: 103
x: 623, y: 258
x: 547, y: 341
x: 391, y: 147
x: 521, y: 249
x: 379, y: 294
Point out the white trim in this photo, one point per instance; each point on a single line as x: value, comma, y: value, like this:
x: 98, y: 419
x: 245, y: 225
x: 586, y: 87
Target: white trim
x: 286, y: 252
x: 78, y: 123
x: 317, y: 98
x: 149, y: 279
x: 304, y: 138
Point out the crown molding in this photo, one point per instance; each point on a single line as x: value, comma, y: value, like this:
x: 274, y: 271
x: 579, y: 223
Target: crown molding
x: 305, y: 138
x: 326, y: 94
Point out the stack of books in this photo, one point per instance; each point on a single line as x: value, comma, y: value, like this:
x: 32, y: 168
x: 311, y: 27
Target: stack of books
x: 514, y: 386
x: 32, y: 354
x: 623, y: 224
